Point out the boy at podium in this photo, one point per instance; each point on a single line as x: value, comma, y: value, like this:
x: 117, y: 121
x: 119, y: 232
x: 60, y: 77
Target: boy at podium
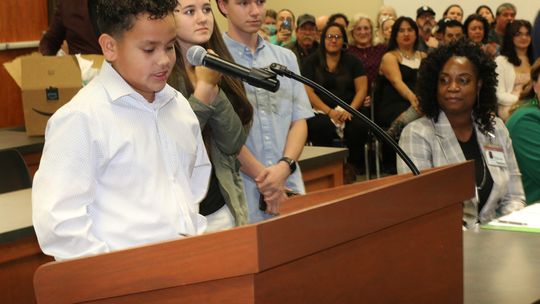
x: 124, y: 163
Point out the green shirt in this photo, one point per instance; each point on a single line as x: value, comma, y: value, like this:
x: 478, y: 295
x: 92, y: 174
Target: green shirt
x: 524, y: 128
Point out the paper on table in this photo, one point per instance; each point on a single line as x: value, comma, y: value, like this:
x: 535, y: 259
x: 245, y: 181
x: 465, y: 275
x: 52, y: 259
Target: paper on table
x: 526, y: 219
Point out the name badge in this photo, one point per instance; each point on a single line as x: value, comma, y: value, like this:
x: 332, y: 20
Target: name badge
x: 495, y: 156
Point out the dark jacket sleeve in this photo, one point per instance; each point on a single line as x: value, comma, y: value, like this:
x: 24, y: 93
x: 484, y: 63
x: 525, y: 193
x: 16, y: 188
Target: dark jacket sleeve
x: 54, y: 37
x: 227, y: 130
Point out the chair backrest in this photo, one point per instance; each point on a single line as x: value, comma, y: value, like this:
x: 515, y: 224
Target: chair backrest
x: 13, y: 172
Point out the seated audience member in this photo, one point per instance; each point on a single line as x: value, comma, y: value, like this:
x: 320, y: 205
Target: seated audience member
x: 476, y: 28
x: 385, y: 12
x: 339, y: 18
x: 452, y: 31
x: 396, y: 101
x: 284, y: 29
x: 425, y: 21
x: 486, y: 12
x: 306, y: 40
x: 361, y: 46
x: 321, y: 22
x: 524, y: 128
x: 270, y: 17
x: 506, y: 13
x: 342, y: 74
x: 453, y: 12
x: 456, y: 90
x: 513, y: 65
x: 386, y: 26
x: 124, y: 163
x: 268, y: 27
x: 222, y: 108
x: 75, y: 22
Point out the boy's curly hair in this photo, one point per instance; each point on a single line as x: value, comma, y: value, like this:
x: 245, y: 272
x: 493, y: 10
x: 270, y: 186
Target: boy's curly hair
x: 114, y: 17
x: 428, y: 77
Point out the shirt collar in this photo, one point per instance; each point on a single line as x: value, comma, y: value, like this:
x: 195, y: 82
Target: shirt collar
x: 240, y: 46
x: 117, y: 87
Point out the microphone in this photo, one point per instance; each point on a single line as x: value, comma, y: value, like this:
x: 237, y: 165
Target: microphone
x: 260, y: 78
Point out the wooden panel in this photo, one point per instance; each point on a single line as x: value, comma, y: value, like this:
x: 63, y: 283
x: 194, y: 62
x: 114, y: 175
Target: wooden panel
x: 380, y: 260
x: 20, y: 20
x: 18, y: 262
x: 323, y: 177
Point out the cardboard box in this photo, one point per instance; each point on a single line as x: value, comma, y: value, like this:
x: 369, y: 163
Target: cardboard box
x: 47, y: 83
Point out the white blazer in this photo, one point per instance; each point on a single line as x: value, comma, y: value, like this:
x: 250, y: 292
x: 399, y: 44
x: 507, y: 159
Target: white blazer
x: 506, y: 78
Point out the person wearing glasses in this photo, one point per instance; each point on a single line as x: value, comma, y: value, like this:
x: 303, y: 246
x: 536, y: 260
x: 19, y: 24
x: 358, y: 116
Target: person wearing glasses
x: 342, y: 74
x: 513, y: 65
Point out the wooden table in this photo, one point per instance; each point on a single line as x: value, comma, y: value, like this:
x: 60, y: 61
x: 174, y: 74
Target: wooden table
x: 322, y: 167
x: 20, y: 254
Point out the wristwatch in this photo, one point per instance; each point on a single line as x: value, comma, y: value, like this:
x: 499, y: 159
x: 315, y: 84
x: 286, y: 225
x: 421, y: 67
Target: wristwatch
x: 290, y: 161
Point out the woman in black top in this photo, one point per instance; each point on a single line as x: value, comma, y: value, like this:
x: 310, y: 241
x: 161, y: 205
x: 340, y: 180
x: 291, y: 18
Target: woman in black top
x: 343, y: 75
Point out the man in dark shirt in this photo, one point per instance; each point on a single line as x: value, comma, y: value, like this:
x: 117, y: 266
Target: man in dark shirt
x: 306, y: 31
x: 425, y: 19
x: 506, y: 13
x: 75, y: 22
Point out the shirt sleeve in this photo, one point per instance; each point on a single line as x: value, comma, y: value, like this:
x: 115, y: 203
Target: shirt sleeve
x: 504, y: 93
x: 227, y: 129
x: 356, y: 66
x: 525, y: 134
x: 515, y: 196
x: 64, y: 187
x: 415, y: 142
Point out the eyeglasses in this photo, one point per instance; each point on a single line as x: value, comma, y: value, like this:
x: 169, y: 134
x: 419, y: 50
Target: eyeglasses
x: 334, y: 37
x: 522, y: 34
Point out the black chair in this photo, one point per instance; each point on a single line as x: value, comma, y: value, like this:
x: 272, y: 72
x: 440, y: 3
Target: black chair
x: 13, y: 172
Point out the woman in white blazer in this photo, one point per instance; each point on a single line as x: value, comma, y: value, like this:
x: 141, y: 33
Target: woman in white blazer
x: 513, y: 65
x: 456, y: 91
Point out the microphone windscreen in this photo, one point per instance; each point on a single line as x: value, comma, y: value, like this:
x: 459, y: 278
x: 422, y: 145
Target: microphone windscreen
x: 195, y: 55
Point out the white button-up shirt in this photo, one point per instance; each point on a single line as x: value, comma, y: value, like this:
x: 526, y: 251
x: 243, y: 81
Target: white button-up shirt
x: 118, y: 171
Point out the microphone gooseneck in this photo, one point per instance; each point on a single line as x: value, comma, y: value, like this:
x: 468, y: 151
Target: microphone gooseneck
x: 283, y: 71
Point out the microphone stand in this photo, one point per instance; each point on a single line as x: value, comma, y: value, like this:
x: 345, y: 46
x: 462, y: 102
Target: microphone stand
x: 380, y: 133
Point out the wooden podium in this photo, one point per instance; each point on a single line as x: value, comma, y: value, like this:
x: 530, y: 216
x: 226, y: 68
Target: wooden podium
x: 392, y: 240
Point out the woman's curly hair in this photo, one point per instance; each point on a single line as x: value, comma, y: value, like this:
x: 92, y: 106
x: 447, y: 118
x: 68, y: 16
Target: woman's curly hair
x: 114, y: 17
x: 428, y: 77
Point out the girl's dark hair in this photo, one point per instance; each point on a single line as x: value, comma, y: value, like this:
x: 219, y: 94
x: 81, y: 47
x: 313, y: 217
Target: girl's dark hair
x: 428, y: 81
x: 486, y: 7
x: 114, y: 17
x: 233, y: 88
x: 476, y: 17
x: 508, y: 48
x: 392, y: 43
x: 321, y: 54
x: 333, y: 17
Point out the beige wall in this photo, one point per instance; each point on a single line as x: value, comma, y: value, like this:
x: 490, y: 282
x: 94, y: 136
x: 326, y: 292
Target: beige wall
x: 316, y: 8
